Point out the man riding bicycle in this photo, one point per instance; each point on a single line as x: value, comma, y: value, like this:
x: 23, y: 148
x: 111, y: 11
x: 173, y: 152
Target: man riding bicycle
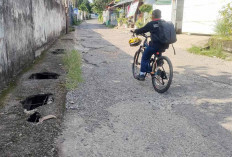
x: 154, y: 46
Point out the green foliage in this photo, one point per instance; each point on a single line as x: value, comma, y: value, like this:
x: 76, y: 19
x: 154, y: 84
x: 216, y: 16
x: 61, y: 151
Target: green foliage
x: 139, y: 23
x: 76, y: 22
x: 110, y: 26
x: 124, y: 20
x: 71, y: 29
x: 77, y: 3
x: 145, y: 8
x: 224, y: 25
x: 72, y: 62
x: 100, y: 18
x: 100, y: 5
x: 119, y: 20
x: 83, y: 7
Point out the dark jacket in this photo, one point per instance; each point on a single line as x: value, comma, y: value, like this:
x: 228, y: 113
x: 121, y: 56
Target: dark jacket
x: 153, y: 28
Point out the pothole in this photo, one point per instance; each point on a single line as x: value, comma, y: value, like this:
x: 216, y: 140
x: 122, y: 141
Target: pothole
x: 34, y: 118
x: 67, y: 39
x: 58, y: 51
x: 32, y: 102
x: 44, y: 75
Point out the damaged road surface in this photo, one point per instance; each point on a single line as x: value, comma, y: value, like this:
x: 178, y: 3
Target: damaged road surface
x: 112, y: 114
x: 31, y: 115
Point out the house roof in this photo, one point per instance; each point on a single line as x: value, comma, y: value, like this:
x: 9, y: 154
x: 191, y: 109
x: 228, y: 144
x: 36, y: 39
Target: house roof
x: 123, y: 2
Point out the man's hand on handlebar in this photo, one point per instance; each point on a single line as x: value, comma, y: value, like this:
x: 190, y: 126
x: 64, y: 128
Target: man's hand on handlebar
x: 143, y: 34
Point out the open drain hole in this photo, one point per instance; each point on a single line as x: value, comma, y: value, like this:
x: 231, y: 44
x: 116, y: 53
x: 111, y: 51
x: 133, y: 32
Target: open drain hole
x: 34, y: 118
x: 32, y: 102
x: 44, y: 75
x: 58, y: 51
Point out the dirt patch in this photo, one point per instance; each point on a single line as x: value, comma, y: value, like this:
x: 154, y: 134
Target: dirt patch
x: 185, y: 41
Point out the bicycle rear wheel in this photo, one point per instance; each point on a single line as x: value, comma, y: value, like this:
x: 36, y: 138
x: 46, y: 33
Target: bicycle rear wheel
x: 136, y: 65
x: 163, y: 74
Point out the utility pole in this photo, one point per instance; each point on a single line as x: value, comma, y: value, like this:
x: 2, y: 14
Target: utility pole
x: 67, y: 15
x: 177, y: 14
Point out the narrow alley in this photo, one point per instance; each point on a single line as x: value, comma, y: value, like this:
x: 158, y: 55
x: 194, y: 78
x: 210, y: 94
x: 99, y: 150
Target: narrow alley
x: 112, y: 114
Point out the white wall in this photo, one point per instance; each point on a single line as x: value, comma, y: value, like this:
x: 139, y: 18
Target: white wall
x: 200, y: 15
x: 166, y: 11
x: 25, y: 26
x: 48, y: 22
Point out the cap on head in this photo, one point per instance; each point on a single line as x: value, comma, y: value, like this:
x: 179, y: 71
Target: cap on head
x: 156, y: 13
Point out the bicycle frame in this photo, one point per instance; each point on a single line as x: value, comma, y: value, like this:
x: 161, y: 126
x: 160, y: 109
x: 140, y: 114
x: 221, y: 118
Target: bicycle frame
x: 156, y: 62
x: 144, y: 46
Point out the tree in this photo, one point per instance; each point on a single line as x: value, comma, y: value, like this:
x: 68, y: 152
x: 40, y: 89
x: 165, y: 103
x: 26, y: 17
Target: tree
x: 100, y: 5
x: 83, y: 5
x: 145, y: 8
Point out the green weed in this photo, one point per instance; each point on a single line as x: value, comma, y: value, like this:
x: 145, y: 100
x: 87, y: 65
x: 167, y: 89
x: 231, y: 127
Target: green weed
x: 71, y: 29
x: 211, y: 52
x: 73, y: 62
x: 110, y: 26
x: 77, y: 22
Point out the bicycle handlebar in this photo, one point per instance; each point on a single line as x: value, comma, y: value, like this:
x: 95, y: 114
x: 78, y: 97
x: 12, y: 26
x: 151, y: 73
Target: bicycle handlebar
x: 143, y: 34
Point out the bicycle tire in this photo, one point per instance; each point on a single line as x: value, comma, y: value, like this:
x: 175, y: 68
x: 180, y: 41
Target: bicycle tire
x: 137, y: 63
x: 154, y: 77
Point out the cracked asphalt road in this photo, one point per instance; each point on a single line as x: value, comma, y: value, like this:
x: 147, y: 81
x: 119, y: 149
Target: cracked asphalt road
x: 115, y: 115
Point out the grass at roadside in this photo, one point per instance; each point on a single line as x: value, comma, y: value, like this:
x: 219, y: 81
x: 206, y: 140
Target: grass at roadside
x: 72, y: 62
x: 77, y: 22
x: 211, y: 52
x: 110, y: 26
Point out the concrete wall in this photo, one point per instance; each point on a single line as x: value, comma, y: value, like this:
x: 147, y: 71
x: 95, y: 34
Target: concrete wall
x: 200, y: 15
x: 172, y: 12
x: 166, y: 11
x: 25, y: 26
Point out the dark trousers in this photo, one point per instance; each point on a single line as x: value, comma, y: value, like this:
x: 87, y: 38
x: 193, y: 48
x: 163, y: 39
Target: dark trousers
x: 145, y: 63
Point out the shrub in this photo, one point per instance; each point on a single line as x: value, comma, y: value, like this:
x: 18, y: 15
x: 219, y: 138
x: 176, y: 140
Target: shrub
x: 139, y: 23
x: 224, y: 24
x: 100, y: 18
x: 119, y: 20
x: 145, y: 8
x: 124, y: 21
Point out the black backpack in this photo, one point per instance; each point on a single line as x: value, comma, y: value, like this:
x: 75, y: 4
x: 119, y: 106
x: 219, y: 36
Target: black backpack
x: 167, y: 33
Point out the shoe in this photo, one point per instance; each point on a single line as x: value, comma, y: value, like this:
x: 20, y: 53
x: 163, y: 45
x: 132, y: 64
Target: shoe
x: 140, y: 77
x: 160, y: 63
x: 158, y: 72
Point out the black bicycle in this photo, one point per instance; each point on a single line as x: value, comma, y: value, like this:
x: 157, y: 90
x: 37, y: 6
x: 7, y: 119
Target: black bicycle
x: 162, y: 70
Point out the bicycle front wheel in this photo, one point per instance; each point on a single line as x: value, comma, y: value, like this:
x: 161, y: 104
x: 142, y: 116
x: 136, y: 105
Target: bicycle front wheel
x: 136, y: 65
x: 163, y: 74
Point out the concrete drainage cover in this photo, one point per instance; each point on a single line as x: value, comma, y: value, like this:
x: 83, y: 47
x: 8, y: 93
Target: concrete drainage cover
x: 58, y: 51
x: 32, y: 102
x: 34, y: 118
x: 44, y: 75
